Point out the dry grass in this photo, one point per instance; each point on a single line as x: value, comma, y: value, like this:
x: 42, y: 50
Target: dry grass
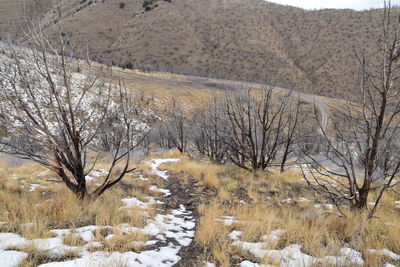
x: 168, y: 155
x: 265, y: 202
x: 125, y: 242
x: 36, y: 258
x: 319, y: 236
x: 200, y: 170
x: 32, y: 214
x: 260, y: 203
x: 213, y: 235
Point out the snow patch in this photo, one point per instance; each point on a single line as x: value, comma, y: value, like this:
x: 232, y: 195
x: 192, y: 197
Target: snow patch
x: 52, y: 246
x: 274, y: 236
x: 157, y: 162
x: 163, y: 257
x: 12, y: 258
x: 142, y: 178
x: 326, y: 206
x: 227, y: 220
x: 347, y: 256
x: 292, y: 256
x: 234, y: 235
x: 134, y: 202
x: 33, y: 187
x: 166, y: 192
x: 11, y: 240
x: 89, y: 178
x: 387, y: 253
x: 249, y: 264
x: 99, y: 173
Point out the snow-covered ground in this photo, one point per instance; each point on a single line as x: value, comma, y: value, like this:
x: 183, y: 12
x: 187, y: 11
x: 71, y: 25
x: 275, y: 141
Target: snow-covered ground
x: 168, y: 231
x: 292, y: 255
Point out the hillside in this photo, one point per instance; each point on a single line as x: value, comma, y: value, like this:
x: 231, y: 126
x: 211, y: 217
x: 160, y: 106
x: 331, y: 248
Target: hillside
x: 13, y: 13
x: 251, y: 40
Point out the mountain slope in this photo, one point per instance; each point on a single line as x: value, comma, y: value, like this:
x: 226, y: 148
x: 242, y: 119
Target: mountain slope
x: 251, y: 40
x: 13, y: 13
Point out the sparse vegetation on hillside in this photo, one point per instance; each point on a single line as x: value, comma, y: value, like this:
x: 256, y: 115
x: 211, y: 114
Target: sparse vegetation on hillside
x: 245, y: 40
x: 64, y: 120
x: 108, y: 166
x: 250, y: 40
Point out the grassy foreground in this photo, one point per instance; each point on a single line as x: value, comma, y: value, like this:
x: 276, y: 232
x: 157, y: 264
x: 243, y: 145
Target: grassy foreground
x: 32, y: 203
x: 257, y: 204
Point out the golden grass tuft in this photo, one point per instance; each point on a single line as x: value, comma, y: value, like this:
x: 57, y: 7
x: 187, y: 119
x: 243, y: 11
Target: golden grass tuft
x: 213, y: 235
x: 125, y: 242
x: 74, y: 240
x: 209, y: 228
x: 11, y: 186
x: 200, y: 170
x: 36, y: 258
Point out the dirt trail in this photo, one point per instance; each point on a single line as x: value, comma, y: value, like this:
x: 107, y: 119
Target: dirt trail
x: 184, y: 197
x: 185, y: 194
x: 190, y: 194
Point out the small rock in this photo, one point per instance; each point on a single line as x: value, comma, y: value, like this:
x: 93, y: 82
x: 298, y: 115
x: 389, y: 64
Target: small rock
x: 190, y: 201
x: 237, y: 258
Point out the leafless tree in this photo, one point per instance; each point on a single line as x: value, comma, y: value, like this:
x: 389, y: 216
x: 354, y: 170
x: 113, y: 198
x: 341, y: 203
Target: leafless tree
x: 295, y: 128
x: 257, y: 121
x: 179, y: 129
x: 362, y: 150
x: 209, y: 128
x: 162, y: 135
x: 59, y: 118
